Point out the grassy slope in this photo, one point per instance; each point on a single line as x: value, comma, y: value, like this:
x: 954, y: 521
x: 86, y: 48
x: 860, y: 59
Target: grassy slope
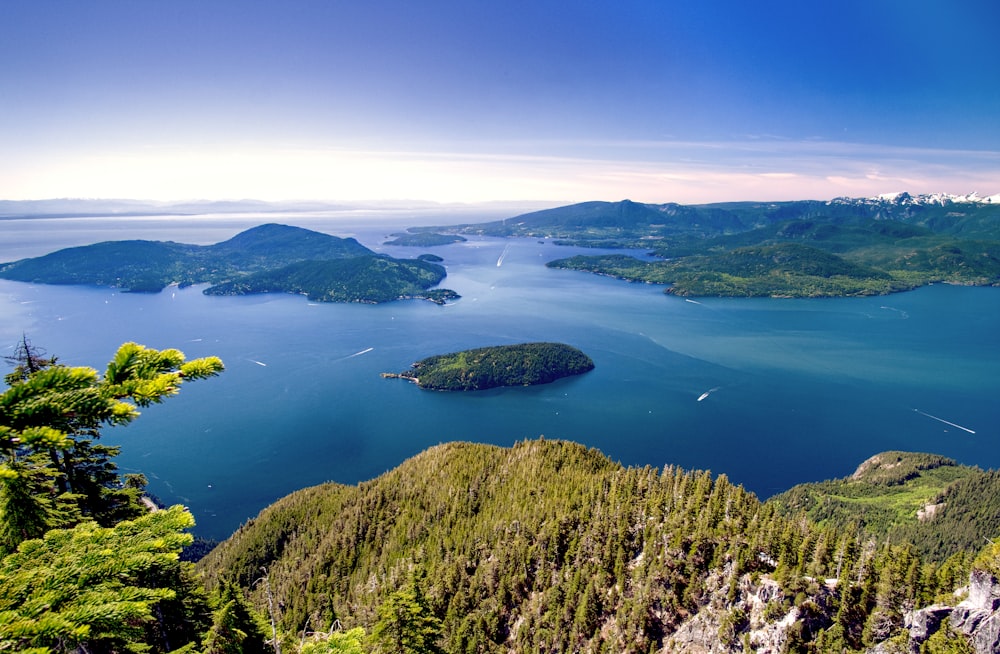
x: 889, y: 495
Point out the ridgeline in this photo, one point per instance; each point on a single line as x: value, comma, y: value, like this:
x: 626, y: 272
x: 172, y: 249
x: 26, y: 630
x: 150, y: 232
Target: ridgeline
x: 550, y: 547
x: 844, y: 247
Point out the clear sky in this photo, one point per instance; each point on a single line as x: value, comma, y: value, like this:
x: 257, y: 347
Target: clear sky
x: 476, y: 100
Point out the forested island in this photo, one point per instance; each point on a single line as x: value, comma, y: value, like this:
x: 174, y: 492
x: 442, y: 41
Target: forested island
x: 270, y: 258
x: 843, y: 247
x: 424, y: 239
x: 366, y: 279
x: 478, y: 369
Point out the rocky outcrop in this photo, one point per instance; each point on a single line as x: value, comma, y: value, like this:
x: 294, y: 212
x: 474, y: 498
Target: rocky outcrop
x: 753, y: 613
x: 976, y: 619
x: 758, y: 617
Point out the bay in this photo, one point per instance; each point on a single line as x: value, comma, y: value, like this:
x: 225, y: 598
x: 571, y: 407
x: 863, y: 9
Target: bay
x: 797, y: 390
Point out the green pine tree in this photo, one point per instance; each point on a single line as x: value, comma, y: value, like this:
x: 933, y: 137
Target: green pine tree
x: 351, y: 641
x: 235, y: 629
x: 50, y: 417
x: 94, y: 588
x: 406, y: 624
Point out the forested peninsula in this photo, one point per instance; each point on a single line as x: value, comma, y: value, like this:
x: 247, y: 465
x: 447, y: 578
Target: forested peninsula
x: 843, y: 247
x: 269, y: 258
x: 478, y: 369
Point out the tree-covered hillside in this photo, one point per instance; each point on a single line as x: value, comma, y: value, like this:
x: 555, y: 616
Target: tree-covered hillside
x: 550, y: 547
x: 268, y: 258
x: 929, y: 501
x: 784, y: 270
x: 783, y: 249
x: 150, y: 265
x: 369, y: 279
x: 546, y: 546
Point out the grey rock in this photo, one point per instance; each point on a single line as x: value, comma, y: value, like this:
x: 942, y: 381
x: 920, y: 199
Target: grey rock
x: 986, y: 639
x: 965, y: 619
x: 923, y: 623
x: 984, y: 591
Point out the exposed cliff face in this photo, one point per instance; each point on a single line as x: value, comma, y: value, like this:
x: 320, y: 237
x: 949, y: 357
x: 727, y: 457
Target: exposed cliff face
x: 976, y: 619
x: 759, y: 617
x: 753, y: 614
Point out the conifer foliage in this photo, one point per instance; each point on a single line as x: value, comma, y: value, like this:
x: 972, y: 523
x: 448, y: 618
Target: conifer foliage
x: 53, y: 472
x: 100, y: 588
x: 85, y: 565
x: 550, y: 547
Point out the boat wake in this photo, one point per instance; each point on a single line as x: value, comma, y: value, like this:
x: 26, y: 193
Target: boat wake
x: 944, y: 421
x: 902, y: 314
x: 503, y: 254
x: 356, y: 354
x: 707, y: 393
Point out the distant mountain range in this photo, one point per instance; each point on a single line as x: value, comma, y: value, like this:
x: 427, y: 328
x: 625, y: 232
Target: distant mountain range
x: 969, y: 215
x: 933, y: 198
x: 104, y: 207
x: 83, y: 207
x: 807, y: 248
x: 113, y: 207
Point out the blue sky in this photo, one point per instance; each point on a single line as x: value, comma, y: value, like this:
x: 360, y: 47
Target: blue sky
x: 472, y: 101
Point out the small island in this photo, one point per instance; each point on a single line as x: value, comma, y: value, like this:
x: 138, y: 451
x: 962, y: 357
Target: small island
x: 525, y: 364
x: 424, y: 239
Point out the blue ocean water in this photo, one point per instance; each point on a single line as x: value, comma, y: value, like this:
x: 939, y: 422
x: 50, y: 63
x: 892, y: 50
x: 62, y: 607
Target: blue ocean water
x: 797, y: 390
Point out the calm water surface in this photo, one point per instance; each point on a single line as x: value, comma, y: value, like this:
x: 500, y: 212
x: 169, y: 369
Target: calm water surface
x: 798, y: 390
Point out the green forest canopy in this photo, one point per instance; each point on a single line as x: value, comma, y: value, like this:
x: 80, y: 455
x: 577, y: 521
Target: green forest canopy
x: 524, y: 364
x: 265, y: 259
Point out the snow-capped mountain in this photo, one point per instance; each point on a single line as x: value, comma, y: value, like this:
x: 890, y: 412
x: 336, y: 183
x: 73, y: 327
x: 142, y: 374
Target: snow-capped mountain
x: 905, y: 199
